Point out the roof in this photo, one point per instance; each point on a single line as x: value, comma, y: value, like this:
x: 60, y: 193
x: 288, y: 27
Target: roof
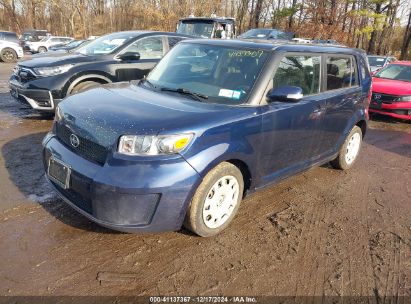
x: 138, y: 33
x: 289, y: 46
x: 385, y: 56
x: 216, y: 19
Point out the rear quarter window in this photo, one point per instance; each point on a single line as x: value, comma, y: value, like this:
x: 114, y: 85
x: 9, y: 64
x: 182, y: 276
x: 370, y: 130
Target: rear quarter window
x: 341, y: 72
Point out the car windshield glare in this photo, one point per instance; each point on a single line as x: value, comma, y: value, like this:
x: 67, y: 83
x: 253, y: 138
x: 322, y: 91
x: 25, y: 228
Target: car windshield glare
x: 105, y: 44
x: 224, y: 74
x: 395, y: 72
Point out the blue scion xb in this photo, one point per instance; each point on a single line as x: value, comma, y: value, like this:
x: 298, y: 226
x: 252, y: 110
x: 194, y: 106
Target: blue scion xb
x: 213, y: 121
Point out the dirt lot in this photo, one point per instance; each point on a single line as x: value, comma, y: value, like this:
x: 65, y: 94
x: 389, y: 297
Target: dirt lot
x: 323, y: 232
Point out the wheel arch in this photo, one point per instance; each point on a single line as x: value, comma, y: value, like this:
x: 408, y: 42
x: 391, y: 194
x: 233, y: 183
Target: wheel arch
x: 205, y: 162
x: 100, y: 78
x: 245, y: 171
x: 362, y: 124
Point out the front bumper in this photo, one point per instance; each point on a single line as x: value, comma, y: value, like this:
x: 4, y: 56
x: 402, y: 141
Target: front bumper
x: 123, y: 194
x: 38, y: 98
x: 20, y: 52
x: 400, y: 110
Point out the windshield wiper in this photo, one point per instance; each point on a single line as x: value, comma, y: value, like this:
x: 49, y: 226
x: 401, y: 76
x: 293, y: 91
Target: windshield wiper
x: 198, y: 96
x: 145, y: 80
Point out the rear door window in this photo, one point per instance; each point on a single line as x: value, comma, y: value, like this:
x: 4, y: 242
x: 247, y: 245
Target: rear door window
x: 341, y: 72
x: 300, y: 71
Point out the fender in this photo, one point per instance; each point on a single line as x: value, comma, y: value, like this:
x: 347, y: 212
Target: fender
x: 359, y: 115
x: 77, y: 79
x: 204, y: 161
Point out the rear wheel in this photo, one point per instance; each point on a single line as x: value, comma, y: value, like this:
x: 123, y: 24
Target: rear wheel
x: 215, y: 201
x: 8, y: 55
x: 42, y: 49
x: 83, y: 86
x: 349, y: 150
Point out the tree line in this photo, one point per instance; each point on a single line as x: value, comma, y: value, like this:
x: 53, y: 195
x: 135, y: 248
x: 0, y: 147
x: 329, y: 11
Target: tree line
x: 377, y: 26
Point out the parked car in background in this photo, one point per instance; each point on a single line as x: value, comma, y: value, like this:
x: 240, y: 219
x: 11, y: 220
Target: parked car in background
x: 391, y: 90
x: 207, y: 27
x: 32, y: 36
x: 43, y: 81
x: 47, y: 42
x: 10, y: 51
x: 68, y: 46
x: 267, y: 34
x: 301, y: 40
x: 214, y: 120
x: 9, y: 36
x: 378, y: 62
x: 325, y: 41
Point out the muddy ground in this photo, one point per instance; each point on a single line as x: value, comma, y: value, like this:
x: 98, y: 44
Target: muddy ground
x: 323, y: 232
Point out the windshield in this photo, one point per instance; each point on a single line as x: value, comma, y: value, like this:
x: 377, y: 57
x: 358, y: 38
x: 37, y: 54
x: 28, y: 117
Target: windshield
x: 376, y: 61
x: 202, y: 29
x: 106, y: 44
x: 265, y: 34
x: 395, y: 72
x: 74, y: 43
x: 221, y: 74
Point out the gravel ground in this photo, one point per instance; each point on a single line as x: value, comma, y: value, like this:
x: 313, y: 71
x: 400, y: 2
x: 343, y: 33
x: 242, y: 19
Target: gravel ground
x: 322, y: 232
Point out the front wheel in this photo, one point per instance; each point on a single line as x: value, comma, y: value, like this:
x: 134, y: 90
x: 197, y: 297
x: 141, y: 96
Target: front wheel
x: 215, y: 201
x: 42, y: 49
x: 8, y: 55
x: 349, y: 150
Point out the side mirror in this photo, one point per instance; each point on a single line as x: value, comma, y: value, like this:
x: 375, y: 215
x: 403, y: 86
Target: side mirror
x: 285, y: 94
x: 129, y: 56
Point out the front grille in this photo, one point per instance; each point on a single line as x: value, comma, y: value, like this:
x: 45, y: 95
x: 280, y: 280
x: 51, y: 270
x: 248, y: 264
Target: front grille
x: 385, y: 98
x: 87, y: 149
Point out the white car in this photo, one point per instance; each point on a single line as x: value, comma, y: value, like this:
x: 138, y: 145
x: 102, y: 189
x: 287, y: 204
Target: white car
x: 301, y: 40
x: 44, y: 44
x: 10, y: 51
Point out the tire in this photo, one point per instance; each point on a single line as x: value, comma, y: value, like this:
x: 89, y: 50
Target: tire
x: 211, y: 210
x: 349, y: 151
x: 8, y: 55
x: 42, y: 49
x: 83, y: 86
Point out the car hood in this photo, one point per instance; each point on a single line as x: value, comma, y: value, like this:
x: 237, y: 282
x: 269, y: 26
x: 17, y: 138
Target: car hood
x: 391, y: 87
x: 56, y: 59
x: 105, y: 113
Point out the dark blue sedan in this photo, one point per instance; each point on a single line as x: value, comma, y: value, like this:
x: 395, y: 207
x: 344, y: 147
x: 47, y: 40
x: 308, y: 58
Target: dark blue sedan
x: 214, y: 121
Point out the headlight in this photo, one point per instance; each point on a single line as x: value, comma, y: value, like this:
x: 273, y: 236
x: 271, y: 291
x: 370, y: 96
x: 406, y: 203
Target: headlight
x: 404, y: 98
x: 51, y: 71
x: 153, y: 145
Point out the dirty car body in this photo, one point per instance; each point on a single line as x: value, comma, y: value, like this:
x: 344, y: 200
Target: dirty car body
x: 224, y: 114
